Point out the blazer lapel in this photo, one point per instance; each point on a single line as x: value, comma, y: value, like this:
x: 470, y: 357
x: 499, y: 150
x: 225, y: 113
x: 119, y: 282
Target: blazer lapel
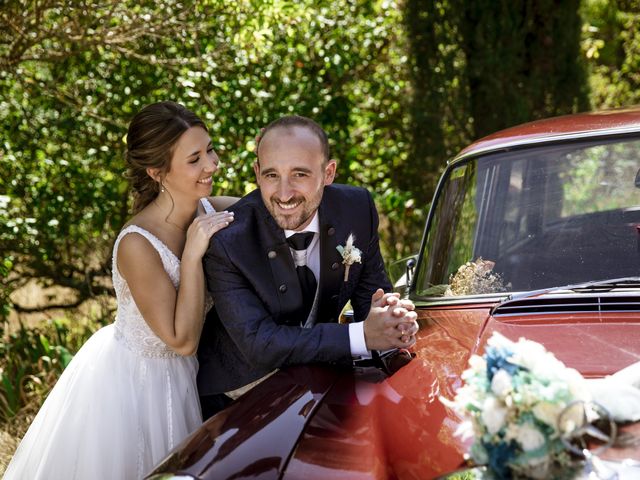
x: 283, y: 270
x: 331, y: 271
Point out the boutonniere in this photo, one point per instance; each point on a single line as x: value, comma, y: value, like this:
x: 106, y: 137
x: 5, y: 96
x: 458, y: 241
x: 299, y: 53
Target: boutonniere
x: 350, y: 255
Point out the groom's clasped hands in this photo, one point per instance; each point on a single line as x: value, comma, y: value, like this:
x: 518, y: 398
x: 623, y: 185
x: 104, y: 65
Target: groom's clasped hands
x: 391, y: 323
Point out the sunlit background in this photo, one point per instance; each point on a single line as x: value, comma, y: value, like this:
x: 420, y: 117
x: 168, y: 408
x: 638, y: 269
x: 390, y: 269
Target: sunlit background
x: 400, y: 87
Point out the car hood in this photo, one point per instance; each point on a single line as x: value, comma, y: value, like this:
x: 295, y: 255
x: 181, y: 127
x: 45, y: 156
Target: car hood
x: 595, y: 344
x: 376, y: 427
x: 317, y: 422
x: 254, y: 436
x: 595, y: 334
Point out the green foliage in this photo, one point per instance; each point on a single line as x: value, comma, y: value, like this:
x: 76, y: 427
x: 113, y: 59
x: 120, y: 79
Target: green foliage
x: 440, y: 118
x: 439, y: 121
x: 469, y: 475
x: 6, y: 265
x: 31, y: 360
x: 611, y: 46
x: 237, y: 64
x: 523, y: 61
x: 399, y: 86
x: 600, y: 178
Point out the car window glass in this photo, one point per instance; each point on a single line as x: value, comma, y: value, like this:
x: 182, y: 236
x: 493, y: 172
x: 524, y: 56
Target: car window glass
x: 536, y: 218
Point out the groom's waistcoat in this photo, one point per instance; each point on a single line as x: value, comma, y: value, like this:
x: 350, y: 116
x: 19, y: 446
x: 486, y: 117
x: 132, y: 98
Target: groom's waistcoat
x: 255, y: 324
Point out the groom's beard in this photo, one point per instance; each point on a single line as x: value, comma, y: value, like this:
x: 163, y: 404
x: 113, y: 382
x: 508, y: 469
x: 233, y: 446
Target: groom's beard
x: 300, y: 215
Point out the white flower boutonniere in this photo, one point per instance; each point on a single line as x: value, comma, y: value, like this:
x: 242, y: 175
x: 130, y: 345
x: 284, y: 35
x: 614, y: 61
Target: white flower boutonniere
x: 350, y: 255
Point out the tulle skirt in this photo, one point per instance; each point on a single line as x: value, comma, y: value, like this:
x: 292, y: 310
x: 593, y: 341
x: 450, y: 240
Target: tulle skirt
x: 112, y: 415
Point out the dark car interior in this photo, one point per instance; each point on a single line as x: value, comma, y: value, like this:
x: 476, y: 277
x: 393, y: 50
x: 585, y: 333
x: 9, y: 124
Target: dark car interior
x: 542, y: 217
x: 540, y: 244
x: 585, y: 247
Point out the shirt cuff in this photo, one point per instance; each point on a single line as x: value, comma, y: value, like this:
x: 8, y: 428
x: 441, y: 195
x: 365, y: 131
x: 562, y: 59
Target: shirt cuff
x: 356, y: 341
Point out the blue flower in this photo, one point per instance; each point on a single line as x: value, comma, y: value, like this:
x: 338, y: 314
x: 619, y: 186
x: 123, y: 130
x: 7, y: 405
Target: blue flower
x: 500, y: 456
x: 498, y: 358
x: 513, y: 416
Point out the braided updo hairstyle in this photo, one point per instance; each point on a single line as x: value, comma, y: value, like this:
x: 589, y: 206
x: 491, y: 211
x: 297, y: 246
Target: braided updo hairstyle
x: 151, y: 140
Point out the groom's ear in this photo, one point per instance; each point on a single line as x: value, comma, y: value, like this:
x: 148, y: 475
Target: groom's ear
x: 256, y: 170
x: 329, y: 172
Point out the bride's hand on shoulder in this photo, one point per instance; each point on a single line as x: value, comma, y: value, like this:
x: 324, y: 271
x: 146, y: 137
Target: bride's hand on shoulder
x: 202, y: 229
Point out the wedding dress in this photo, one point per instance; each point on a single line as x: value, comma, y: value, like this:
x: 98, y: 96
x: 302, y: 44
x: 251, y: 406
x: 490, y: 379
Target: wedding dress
x: 125, y: 400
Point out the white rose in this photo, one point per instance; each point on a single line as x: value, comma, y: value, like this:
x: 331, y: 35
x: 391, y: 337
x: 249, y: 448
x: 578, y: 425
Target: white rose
x: 477, y: 364
x: 511, y: 432
x: 548, y: 413
x: 500, y: 341
x: 501, y: 383
x: 530, y: 438
x: 493, y: 415
x: 531, y: 355
x: 466, y: 395
x: 465, y: 431
x: 577, y: 385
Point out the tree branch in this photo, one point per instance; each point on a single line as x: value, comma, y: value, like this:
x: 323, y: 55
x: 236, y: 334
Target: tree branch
x: 60, y: 305
x: 47, y: 31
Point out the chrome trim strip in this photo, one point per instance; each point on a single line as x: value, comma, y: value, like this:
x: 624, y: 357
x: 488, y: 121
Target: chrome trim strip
x: 488, y: 299
x: 496, y: 297
x: 617, y: 302
x: 559, y: 312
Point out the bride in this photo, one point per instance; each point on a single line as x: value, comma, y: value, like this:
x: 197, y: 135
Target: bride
x: 129, y: 395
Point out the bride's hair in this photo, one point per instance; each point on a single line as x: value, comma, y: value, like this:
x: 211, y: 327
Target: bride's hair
x: 151, y: 139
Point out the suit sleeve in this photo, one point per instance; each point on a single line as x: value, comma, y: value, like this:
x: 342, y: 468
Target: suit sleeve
x: 373, y: 273
x: 262, y: 341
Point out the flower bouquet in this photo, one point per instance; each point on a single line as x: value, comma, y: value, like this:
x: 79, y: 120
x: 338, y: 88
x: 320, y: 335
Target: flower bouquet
x: 512, y: 399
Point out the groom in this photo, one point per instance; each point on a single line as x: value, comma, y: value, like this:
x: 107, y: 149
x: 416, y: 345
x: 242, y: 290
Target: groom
x: 277, y: 277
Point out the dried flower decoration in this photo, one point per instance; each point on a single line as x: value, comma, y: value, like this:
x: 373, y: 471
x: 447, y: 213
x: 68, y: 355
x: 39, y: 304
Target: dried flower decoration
x: 475, y: 278
x: 350, y: 254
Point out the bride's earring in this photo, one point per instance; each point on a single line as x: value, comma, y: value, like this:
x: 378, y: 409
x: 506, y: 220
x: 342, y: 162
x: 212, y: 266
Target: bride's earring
x: 161, y: 187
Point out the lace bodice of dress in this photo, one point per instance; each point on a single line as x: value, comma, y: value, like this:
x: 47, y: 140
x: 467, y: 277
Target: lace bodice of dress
x: 130, y: 326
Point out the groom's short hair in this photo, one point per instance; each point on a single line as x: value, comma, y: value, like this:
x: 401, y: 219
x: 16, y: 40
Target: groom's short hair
x: 290, y: 121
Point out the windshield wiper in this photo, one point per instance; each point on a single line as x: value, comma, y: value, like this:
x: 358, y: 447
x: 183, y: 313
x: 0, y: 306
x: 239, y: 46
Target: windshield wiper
x: 584, y: 287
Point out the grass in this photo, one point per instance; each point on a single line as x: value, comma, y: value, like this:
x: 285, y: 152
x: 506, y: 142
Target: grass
x: 12, y: 431
x: 31, y: 360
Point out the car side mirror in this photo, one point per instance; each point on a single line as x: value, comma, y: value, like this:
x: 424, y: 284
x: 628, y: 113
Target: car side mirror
x: 411, y: 265
x: 401, y: 273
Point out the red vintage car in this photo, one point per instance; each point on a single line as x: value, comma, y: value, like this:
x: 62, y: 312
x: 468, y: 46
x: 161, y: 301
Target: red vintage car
x: 533, y: 232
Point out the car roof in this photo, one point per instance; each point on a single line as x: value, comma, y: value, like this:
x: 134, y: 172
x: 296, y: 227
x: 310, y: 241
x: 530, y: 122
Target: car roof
x: 566, y: 127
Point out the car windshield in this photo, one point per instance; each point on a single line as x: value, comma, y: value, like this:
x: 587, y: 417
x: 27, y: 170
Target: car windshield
x: 534, y: 218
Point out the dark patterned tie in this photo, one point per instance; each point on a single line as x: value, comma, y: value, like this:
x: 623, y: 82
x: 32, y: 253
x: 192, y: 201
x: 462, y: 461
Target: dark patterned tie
x: 308, y: 284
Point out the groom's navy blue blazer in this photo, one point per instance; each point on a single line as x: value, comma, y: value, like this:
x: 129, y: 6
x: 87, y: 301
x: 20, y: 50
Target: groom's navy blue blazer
x: 254, y: 326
